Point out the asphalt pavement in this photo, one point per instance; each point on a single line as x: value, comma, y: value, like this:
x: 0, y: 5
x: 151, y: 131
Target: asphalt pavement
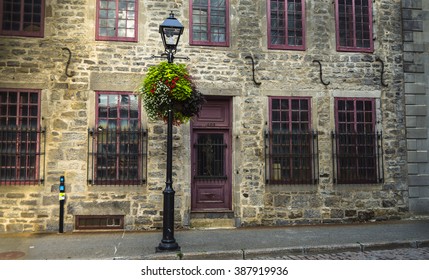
x: 237, y: 243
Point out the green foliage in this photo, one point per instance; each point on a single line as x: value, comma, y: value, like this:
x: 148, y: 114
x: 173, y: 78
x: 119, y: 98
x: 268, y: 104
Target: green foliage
x: 174, y: 76
x: 166, y: 86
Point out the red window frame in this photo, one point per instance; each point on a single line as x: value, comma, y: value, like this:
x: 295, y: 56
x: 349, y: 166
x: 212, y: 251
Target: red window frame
x: 356, y: 137
x: 20, y: 136
x: 22, y: 18
x: 209, y: 23
x: 354, y: 25
x: 104, y: 16
x: 290, y: 22
x: 290, y: 141
x: 116, y: 149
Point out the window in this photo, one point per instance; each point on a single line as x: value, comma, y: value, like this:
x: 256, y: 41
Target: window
x: 286, y: 24
x: 357, y: 144
x: 118, y: 142
x: 209, y: 22
x: 20, y: 136
x: 291, y: 143
x: 22, y: 17
x: 117, y: 20
x: 354, y: 25
x: 95, y: 222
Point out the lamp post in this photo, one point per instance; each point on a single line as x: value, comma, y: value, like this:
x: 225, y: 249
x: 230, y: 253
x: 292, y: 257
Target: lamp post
x: 171, y: 30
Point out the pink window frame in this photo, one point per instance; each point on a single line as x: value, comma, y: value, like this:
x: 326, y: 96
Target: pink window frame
x: 38, y: 128
x: 98, y: 37
x: 289, y: 123
x: 39, y: 34
x: 340, y: 170
x: 354, y: 99
x: 118, y: 120
x: 208, y: 42
x: 354, y: 48
x: 286, y: 46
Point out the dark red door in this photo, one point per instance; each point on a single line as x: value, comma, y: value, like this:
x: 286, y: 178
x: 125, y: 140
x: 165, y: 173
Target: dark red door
x: 211, y: 158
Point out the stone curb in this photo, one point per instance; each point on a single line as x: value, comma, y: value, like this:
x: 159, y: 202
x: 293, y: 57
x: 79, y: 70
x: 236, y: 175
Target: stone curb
x: 393, y: 245
x: 212, y: 255
x: 278, y: 252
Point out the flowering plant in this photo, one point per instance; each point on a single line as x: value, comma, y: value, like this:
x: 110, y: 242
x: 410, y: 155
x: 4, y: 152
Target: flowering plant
x: 169, y: 86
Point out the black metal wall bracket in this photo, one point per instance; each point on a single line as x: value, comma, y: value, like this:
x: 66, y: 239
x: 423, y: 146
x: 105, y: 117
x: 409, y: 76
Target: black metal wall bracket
x: 253, y: 70
x: 382, y: 72
x: 68, y: 62
x: 321, y: 73
x: 165, y: 55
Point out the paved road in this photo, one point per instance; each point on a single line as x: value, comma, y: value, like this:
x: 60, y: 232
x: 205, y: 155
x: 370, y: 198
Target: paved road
x: 396, y: 254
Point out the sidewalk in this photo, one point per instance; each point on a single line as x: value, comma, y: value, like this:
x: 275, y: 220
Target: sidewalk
x: 242, y: 243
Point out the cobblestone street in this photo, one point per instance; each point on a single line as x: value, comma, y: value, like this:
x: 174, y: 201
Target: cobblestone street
x: 396, y: 254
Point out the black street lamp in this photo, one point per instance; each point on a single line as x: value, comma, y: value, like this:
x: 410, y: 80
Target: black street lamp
x: 170, y: 30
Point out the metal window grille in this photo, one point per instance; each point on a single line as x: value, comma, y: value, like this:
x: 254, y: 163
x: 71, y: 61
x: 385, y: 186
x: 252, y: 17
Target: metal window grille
x: 22, y: 156
x: 117, y: 156
x: 358, y: 157
x: 210, y: 152
x: 291, y: 157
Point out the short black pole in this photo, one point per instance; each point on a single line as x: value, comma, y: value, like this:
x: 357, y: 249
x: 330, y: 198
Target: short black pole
x: 168, y: 242
x: 61, y: 226
x: 62, y: 200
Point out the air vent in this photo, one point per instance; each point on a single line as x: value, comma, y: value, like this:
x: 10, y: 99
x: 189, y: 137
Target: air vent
x: 94, y: 222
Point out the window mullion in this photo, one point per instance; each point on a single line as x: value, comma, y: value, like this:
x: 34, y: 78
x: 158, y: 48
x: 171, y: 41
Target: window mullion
x: 354, y: 25
x: 286, y: 11
x: 209, y: 29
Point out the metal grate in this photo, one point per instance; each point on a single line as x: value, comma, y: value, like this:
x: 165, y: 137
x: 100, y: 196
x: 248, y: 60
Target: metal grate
x: 117, y: 156
x: 210, y: 151
x: 92, y: 222
x: 21, y: 155
x: 358, y: 158
x: 291, y: 157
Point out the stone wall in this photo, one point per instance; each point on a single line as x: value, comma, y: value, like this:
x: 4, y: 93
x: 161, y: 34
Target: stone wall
x: 68, y: 111
x: 416, y: 63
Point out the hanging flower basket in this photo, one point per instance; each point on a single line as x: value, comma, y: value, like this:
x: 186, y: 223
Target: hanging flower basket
x: 168, y: 85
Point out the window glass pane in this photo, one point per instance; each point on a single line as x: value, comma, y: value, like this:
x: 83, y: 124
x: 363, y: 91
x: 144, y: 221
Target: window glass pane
x: 130, y: 33
x: 21, y: 17
x: 211, y: 29
x: 286, y: 24
x: 117, y: 19
x: 354, y: 19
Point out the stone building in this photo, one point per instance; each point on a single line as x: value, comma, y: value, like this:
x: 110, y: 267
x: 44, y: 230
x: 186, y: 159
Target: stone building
x: 416, y: 69
x: 315, y: 134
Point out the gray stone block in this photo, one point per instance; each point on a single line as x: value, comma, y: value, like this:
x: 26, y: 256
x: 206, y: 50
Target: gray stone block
x: 417, y: 156
x: 412, y: 4
x: 419, y: 205
x: 412, y: 144
x: 413, y: 169
x: 415, y: 88
x: 418, y: 180
x: 417, y: 133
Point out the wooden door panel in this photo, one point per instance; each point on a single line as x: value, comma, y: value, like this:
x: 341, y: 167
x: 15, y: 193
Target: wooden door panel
x: 211, y: 158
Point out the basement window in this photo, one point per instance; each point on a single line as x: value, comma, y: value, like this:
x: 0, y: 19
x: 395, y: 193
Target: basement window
x: 93, y: 222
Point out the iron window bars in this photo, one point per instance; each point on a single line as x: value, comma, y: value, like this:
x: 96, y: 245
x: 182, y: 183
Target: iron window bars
x: 357, y: 157
x: 291, y: 157
x: 22, y: 156
x: 117, y: 156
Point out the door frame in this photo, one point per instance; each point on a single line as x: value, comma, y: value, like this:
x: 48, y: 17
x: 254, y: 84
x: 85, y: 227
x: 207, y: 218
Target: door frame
x: 224, y: 126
